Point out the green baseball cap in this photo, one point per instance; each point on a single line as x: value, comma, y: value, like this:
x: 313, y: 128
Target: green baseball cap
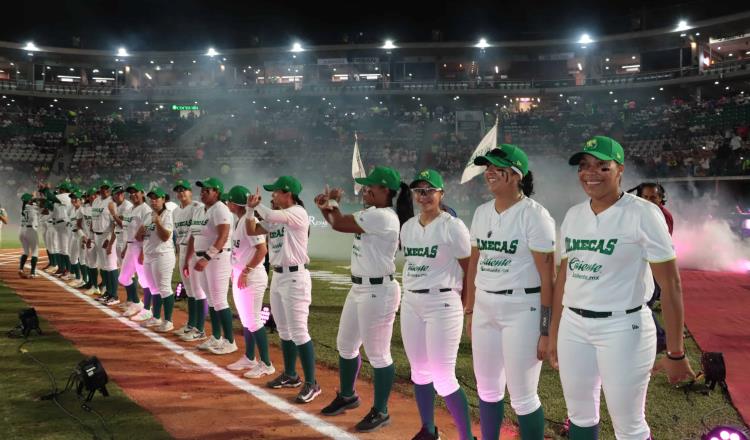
x: 430, y: 176
x: 158, y: 192
x: 92, y: 191
x: 135, y: 186
x: 64, y: 185
x: 238, y: 195
x: 286, y: 184
x: 182, y: 183
x: 105, y: 182
x: 505, y: 156
x: 76, y: 194
x: 224, y: 197
x: 602, y: 148
x: 26, y: 197
x: 118, y: 188
x: 211, y: 182
x: 381, y: 176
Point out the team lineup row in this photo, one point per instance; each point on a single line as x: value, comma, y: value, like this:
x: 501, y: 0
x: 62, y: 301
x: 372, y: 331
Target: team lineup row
x: 496, y: 279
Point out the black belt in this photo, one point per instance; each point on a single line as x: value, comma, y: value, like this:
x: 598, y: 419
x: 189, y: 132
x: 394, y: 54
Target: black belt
x: 510, y: 291
x: 131, y: 242
x: 378, y: 280
x: 204, y: 253
x: 280, y: 269
x: 74, y: 230
x: 28, y: 226
x: 447, y: 289
x: 58, y: 221
x: 593, y: 314
x: 97, y: 233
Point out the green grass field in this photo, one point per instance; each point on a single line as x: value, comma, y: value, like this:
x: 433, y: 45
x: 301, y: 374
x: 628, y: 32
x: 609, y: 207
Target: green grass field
x: 24, y: 381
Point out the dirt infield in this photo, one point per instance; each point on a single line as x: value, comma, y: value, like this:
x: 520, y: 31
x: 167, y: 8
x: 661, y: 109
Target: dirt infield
x: 190, y: 392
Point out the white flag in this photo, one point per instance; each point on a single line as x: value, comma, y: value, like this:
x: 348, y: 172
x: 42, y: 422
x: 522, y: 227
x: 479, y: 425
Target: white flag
x: 488, y: 142
x: 358, y: 169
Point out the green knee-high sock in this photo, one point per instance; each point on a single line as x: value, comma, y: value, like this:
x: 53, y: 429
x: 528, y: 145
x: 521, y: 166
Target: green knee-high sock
x: 458, y: 406
x: 85, y: 273
x: 348, y: 371
x: 132, y: 292
x: 68, y: 264
x: 52, y: 259
x: 580, y: 433
x: 168, y: 307
x: 33, y: 264
x: 225, y: 316
x: 156, y: 309
x: 532, y: 425
x: 383, y: 382
x: 261, y: 341
x: 103, y: 284
x: 112, y: 287
x: 491, y: 418
x: 307, y: 359
x: 215, y: 322
x: 191, y: 312
x: 92, y: 277
x: 23, y: 261
x: 289, y: 348
x: 200, y: 314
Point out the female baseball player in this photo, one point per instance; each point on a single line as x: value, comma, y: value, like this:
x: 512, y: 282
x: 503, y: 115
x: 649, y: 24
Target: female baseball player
x: 91, y: 287
x: 509, y: 293
x: 49, y: 235
x: 28, y: 234
x: 287, y: 227
x: 74, y: 238
x: 437, y: 250
x: 183, y: 216
x: 133, y: 220
x: 158, y: 259
x: 3, y: 221
x: 60, y: 216
x: 123, y: 205
x: 371, y: 304
x: 103, y: 212
x: 602, y: 335
x: 249, y: 282
x: 210, y: 240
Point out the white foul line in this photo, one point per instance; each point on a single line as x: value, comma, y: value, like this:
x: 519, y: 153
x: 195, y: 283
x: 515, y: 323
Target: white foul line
x: 264, y: 396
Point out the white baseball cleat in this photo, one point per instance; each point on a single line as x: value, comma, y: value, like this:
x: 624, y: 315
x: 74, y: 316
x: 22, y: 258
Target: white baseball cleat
x: 51, y: 269
x: 151, y: 322
x: 165, y: 326
x: 111, y: 302
x: 142, y: 315
x: 208, y: 344
x: 133, y: 310
x: 260, y: 370
x: 182, y: 330
x: 242, y: 363
x: 193, y: 335
x: 223, y: 347
x: 126, y: 305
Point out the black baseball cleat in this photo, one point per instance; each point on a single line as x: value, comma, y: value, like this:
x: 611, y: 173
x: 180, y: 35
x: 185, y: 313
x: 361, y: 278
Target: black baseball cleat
x: 340, y: 404
x: 308, y: 392
x: 372, y: 421
x: 284, y: 381
x: 424, y: 434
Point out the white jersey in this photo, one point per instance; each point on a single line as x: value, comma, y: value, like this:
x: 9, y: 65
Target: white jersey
x: 87, y: 219
x: 505, y: 242
x: 101, y: 218
x: 374, y: 251
x: 3, y: 213
x: 60, y: 211
x: 243, y: 245
x: 152, y: 244
x: 432, y: 253
x: 287, y: 234
x: 29, y: 216
x: 608, y: 255
x: 73, y: 215
x: 133, y: 220
x: 122, y: 210
x: 205, y: 237
x: 182, y: 220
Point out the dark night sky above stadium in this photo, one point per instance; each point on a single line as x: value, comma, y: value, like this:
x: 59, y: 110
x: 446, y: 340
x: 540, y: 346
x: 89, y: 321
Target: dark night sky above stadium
x: 195, y: 25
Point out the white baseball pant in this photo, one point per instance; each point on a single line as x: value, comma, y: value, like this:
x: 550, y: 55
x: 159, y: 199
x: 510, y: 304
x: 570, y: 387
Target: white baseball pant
x: 192, y: 283
x: 50, y: 239
x: 215, y: 279
x: 130, y: 266
x: 62, y: 238
x: 91, y: 254
x: 105, y: 261
x: 504, y: 338
x: 431, y: 326
x: 30, y: 241
x: 249, y: 300
x: 367, y: 319
x: 291, y: 295
x: 614, y: 353
x: 120, y: 245
x: 158, y: 269
x: 74, y: 247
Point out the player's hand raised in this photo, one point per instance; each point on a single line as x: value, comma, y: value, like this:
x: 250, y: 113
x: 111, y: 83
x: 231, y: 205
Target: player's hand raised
x: 335, y: 194
x: 676, y: 370
x: 253, y: 200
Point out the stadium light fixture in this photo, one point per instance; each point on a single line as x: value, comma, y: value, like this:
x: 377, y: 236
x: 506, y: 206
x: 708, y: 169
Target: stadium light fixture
x: 585, y: 39
x: 580, y: 67
x: 211, y: 52
x: 31, y: 47
x: 682, y: 26
x: 388, y: 45
x: 122, y: 52
x: 297, y: 47
x: 482, y: 44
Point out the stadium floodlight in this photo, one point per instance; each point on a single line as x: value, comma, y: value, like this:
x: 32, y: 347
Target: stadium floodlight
x: 388, y: 45
x: 122, y: 52
x: 297, y: 47
x: 31, y: 47
x: 482, y: 44
x: 585, y: 39
x: 682, y: 26
x: 211, y: 52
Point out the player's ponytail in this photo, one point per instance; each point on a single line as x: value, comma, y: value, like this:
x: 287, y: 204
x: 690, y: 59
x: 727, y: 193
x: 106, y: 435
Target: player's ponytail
x: 297, y: 200
x: 526, y: 185
x: 404, y: 204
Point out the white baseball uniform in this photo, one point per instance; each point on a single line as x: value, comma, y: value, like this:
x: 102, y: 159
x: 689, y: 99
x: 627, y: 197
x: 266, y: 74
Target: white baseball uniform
x: 61, y: 217
x: 370, y: 308
x: 28, y: 232
x: 121, y: 210
x: 3, y: 212
x: 291, y: 291
x: 132, y: 221
x: 182, y: 221
x: 215, y: 278
x: 507, y: 305
x: 607, y: 257
x: 74, y: 239
x: 89, y: 252
x: 49, y: 233
x: 249, y: 300
x: 158, y: 255
x: 102, y: 225
x: 432, y: 314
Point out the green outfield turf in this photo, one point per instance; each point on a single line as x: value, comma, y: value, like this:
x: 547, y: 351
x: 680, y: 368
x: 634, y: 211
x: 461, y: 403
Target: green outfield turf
x: 24, y: 381
x: 9, y: 239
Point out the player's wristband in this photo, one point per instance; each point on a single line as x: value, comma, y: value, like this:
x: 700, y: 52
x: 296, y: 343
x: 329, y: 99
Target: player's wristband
x: 333, y: 204
x: 544, y: 320
x: 212, y: 252
x: 676, y: 356
x: 250, y: 212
